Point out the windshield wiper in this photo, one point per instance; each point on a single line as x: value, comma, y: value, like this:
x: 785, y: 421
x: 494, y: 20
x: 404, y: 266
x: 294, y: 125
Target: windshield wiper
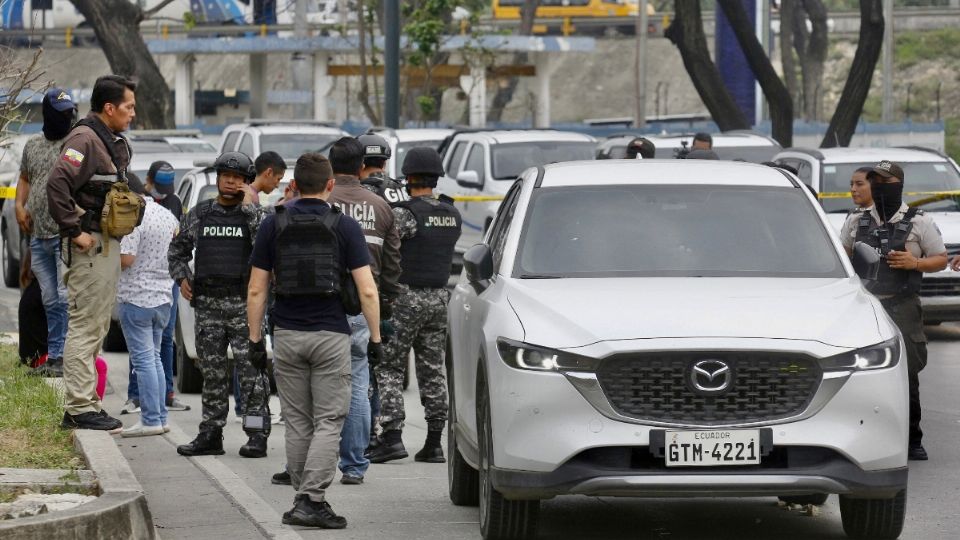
x: 539, y: 276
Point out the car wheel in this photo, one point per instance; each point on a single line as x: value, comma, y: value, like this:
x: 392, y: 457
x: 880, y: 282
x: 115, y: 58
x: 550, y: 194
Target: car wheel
x: 463, y: 480
x: 189, y: 378
x: 500, y: 518
x: 873, y: 518
x: 115, y: 342
x: 11, y: 270
x: 816, y: 499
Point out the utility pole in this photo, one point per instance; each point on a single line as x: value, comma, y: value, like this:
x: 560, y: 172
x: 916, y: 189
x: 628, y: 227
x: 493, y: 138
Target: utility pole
x: 302, y: 62
x: 391, y: 79
x: 887, y: 113
x: 640, y: 118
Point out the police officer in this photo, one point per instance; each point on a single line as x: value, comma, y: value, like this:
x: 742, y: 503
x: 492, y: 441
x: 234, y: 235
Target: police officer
x: 429, y: 228
x: 221, y: 231
x: 373, y: 175
x: 910, y: 244
x: 641, y: 148
x: 93, y: 158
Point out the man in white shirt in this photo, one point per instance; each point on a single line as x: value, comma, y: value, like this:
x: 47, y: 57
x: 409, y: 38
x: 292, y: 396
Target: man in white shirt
x: 144, y: 296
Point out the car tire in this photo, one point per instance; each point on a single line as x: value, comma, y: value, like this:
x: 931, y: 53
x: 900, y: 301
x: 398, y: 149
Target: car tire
x: 463, y: 480
x: 500, y: 518
x: 189, y: 378
x: 11, y: 268
x: 115, y: 342
x: 816, y: 499
x: 876, y: 519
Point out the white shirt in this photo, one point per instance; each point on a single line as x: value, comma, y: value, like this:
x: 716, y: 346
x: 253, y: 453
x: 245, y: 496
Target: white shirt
x: 147, y: 283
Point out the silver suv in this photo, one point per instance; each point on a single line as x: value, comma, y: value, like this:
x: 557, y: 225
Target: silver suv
x: 671, y: 328
x: 932, y: 182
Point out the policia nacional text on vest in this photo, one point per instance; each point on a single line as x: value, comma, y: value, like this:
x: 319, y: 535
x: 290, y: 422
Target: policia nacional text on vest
x: 885, y: 238
x: 425, y: 258
x: 222, y: 253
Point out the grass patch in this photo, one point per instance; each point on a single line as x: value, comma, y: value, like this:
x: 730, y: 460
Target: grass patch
x: 30, y: 414
x: 914, y: 47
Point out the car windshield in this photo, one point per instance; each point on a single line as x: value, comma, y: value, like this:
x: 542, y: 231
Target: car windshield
x: 934, y: 186
x: 149, y: 146
x: 510, y: 159
x: 402, y: 149
x: 753, y: 154
x: 197, y: 147
x: 291, y: 146
x: 674, y: 231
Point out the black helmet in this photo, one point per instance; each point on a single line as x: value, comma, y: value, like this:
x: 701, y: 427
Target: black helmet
x: 422, y: 161
x: 236, y: 162
x: 374, y: 146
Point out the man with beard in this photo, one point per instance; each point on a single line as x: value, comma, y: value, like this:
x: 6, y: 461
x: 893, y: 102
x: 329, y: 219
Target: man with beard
x: 222, y: 231
x: 910, y: 244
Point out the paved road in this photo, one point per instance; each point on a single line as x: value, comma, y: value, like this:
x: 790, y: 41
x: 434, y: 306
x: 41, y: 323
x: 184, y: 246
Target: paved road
x: 231, y: 497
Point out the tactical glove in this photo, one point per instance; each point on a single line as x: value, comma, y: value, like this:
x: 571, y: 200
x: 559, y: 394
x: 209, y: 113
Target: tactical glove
x: 374, y: 353
x: 258, y: 354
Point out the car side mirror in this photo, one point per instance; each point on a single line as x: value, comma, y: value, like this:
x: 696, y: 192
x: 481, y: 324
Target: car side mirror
x: 866, y: 261
x: 469, y: 179
x: 478, y: 263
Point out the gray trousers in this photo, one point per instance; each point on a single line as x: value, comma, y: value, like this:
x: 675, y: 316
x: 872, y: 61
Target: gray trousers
x: 313, y: 375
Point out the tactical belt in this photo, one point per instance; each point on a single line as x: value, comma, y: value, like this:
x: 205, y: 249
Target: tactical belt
x: 221, y: 290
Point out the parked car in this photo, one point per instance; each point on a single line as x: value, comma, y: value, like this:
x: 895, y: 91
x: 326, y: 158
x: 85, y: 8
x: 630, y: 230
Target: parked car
x: 153, y: 141
x: 402, y: 140
x: 182, y: 162
x: 671, y: 328
x: 731, y: 145
x: 12, y: 243
x: 196, y: 186
x: 929, y: 175
x: 289, y: 138
x: 481, y: 165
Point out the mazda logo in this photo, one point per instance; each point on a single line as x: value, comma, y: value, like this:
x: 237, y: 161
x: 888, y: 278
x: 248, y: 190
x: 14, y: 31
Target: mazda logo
x: 711, y: 376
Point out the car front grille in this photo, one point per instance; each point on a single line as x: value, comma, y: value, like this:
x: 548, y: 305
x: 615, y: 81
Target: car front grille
x: 659, y: 387
x: 932, y: 286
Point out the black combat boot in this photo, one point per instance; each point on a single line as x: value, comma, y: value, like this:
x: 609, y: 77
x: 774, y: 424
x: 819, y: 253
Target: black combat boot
x: 208, y: 443
x: 390, y: 448
x: 432, y: 452
x: 307, y: 513
x: 256, y: 446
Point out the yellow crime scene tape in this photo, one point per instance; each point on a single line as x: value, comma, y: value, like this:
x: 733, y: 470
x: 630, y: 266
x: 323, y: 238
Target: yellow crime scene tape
x: 8, y: 192
x: 932, y: 195
x: 477, y: 198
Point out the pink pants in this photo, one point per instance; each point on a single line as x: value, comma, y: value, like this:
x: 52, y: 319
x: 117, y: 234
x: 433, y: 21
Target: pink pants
x: 101, y: 377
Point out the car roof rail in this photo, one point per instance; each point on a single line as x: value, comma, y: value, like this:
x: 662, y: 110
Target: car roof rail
x: 809, y: 151
x: 924, y: 149
x: 254, y: 122
x: 159, y: 133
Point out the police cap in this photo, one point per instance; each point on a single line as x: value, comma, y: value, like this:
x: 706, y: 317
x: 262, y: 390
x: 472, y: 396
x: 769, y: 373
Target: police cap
x: 422, y: 161
x: 374, y: 146
x: 236, y: 162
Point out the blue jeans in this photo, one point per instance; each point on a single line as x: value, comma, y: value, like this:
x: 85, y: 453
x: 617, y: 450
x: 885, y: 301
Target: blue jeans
x: 355, y: 435
x: 45, y: 263
x: 167, y: 351
x: 143, y: 330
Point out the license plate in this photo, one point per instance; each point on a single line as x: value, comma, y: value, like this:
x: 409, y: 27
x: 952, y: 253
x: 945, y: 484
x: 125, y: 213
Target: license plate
x: 711, y: 448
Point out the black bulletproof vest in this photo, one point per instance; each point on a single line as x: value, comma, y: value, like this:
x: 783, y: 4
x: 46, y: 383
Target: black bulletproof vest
x: 223, y: 250
x: 387, y: 188
x: 885, y: 238
x: 308, y: 253
x: 425, y: 259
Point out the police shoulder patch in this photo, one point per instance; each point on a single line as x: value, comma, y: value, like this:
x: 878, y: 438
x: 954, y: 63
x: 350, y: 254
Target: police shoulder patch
x: 73, y: 157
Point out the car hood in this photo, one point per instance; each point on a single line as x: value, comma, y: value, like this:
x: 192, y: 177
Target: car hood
x: 566, y: 313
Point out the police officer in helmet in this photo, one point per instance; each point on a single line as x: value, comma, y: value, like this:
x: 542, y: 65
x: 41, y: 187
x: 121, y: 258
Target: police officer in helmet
x: 910, y: 244
x: 221, y: 231
x: 373, y: 175
x: 429, y: 228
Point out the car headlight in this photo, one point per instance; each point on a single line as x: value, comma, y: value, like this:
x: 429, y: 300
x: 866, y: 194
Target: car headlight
x: 879, y: 356
x: 521, y: 355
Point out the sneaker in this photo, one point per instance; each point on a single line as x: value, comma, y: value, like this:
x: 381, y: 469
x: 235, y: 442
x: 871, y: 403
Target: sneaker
x: 140, y: 430
x: 307, y: 513
x: 351, y: 480
x: 916, y: 452
x: 166, y: 428
x: 90, y: 420
x: 174, y: 404
x: 282, y: 478
x: 132, y: 406
x: 50, y: 368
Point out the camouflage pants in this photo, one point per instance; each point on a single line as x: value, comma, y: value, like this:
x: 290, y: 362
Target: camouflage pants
x: 420, y: 319
x: 222, y: 322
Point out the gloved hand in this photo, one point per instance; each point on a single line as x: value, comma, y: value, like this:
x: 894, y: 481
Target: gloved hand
x: 374, y: 353
x: 386, y: 308
x: 258, y: 354
x: 387, y: 330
